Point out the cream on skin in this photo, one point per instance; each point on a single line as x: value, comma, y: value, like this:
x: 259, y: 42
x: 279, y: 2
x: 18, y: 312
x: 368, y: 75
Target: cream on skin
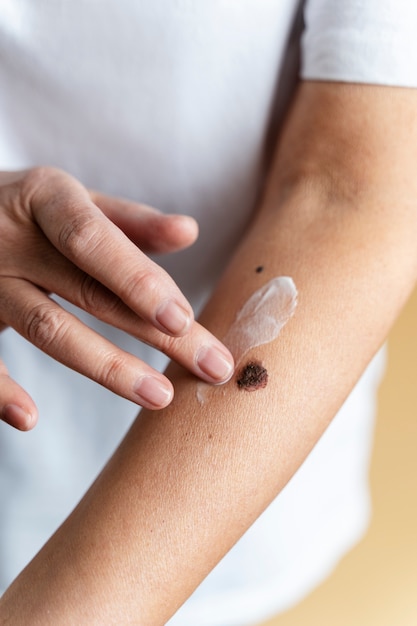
x: 259, y: 321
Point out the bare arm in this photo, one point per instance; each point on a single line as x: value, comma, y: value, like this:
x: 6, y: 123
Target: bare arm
x: 340, y: 217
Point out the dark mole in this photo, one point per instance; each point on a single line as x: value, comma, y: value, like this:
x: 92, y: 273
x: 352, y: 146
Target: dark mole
x: 253, y: 376
x: 259, y: 269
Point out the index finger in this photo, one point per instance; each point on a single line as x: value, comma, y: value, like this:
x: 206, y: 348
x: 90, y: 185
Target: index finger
x: 82, y: 233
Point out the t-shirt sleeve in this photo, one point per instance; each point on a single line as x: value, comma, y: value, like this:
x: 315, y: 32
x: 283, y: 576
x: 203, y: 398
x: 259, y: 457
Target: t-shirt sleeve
x: 364, y: 41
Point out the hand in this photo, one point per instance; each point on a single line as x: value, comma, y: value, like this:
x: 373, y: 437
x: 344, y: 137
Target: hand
x: 58, y: 237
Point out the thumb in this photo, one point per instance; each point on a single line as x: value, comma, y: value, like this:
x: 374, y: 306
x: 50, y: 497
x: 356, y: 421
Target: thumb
x: 16, y: 407
x: 151, y: 230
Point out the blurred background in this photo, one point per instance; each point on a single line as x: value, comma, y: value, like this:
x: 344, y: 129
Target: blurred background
x: 376, y: 584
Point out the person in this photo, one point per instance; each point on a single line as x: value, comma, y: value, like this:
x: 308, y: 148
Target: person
x: 194, y: 109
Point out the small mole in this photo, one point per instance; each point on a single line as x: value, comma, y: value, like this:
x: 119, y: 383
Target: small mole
x: 253, y: 376
x: 259, y: 269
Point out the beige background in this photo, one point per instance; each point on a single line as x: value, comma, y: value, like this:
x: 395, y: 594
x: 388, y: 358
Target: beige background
x: 376, y: 584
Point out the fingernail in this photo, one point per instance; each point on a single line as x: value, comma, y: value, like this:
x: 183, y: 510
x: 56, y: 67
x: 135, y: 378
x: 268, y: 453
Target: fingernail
x: 16, y: 416
x: 215, y: 363
x: 152, y: 392
x: 173, y: 318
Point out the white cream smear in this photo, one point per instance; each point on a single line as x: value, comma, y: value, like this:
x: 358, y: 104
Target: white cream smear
x: 259, y: 321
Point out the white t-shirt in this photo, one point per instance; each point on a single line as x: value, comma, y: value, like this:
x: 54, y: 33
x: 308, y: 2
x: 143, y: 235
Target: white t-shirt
x: 172, y: 103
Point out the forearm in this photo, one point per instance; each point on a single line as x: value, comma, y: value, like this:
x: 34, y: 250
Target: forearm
x: 339, y: 217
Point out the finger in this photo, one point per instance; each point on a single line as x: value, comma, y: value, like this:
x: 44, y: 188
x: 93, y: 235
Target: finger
x: 16, y: 407
x: 198, y: 351
x: 83, y: 234
x: 151, y: 230
x: 203, y: 354
x: 65, y: 338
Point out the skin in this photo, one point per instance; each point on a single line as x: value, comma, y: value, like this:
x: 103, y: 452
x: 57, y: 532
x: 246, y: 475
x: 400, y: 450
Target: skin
x: 89, y: 248
x: 339, y: 215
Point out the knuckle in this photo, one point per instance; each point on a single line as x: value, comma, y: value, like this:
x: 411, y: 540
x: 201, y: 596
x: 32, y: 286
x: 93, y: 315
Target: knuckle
x: 171, y: 346
x: 110, y: 370
x: 99, y: 301
x: 35, y: 177
x: 146, y: 282
x: 168, y: 344
x: 95, y: 298
x: 44, y: 325
x: 34, y: 181
x: 78, y: 234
